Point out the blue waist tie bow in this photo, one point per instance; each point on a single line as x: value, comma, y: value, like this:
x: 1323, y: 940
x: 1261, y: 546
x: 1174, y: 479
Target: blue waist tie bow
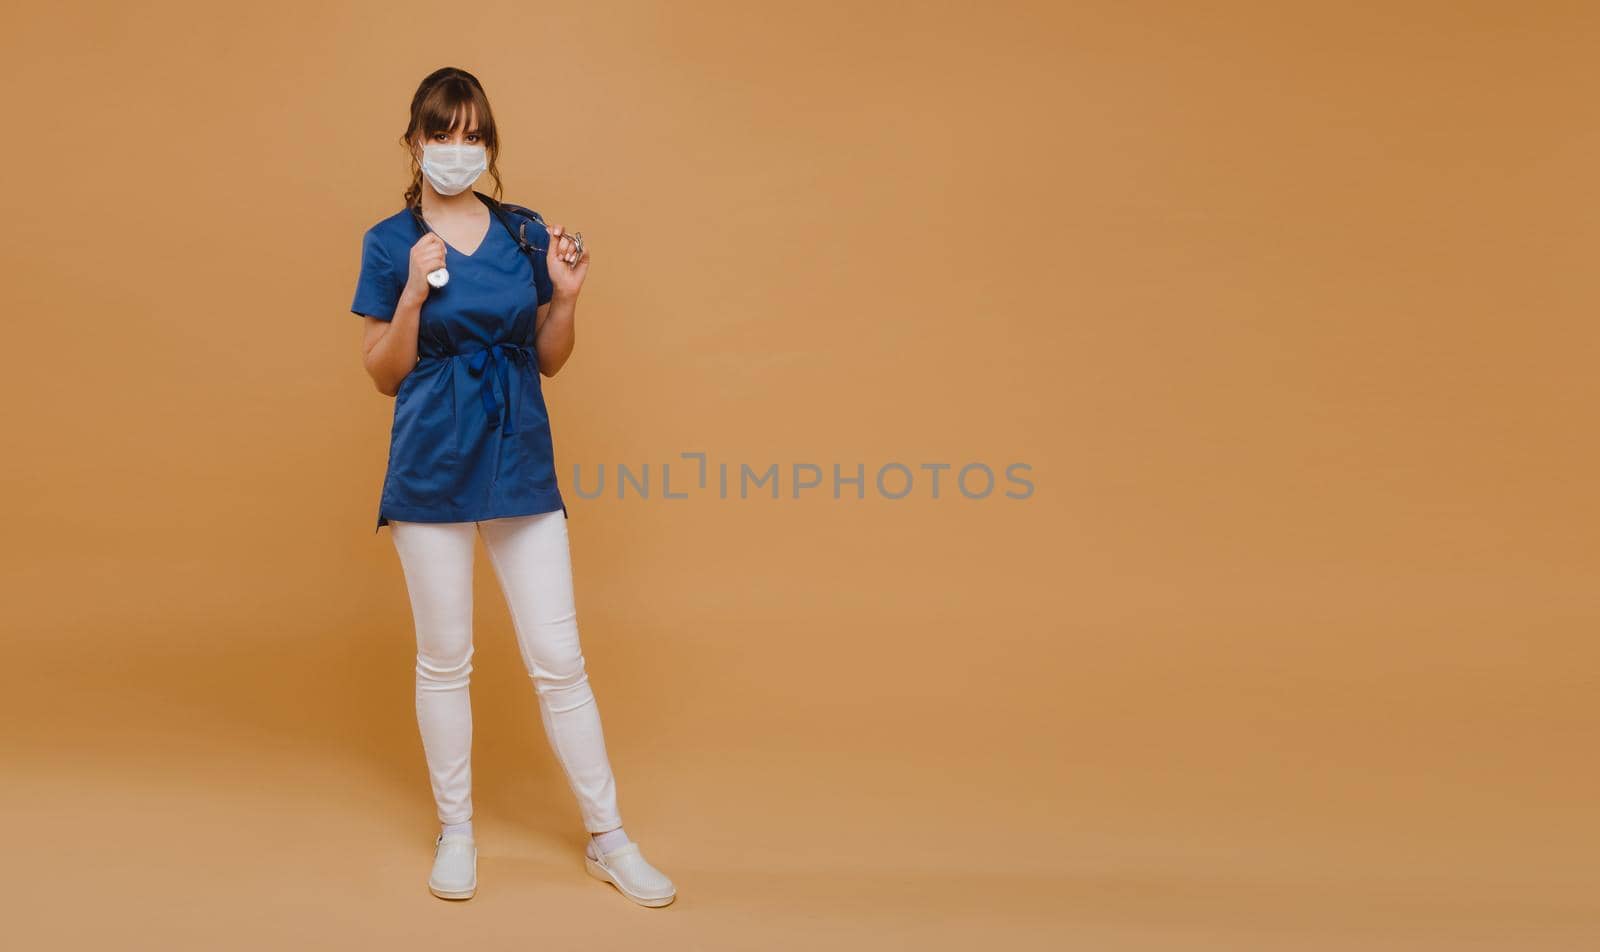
x: 495, y: 361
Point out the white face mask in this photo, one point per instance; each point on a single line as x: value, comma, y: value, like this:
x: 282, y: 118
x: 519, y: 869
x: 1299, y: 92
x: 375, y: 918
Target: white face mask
x: 452, y: 168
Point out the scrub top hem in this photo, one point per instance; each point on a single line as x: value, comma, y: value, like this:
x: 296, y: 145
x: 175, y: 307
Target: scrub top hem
x: 549, y: 502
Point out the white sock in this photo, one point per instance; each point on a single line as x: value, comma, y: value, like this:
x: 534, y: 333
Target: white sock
x: 465, y: 826
x: 606, y: 842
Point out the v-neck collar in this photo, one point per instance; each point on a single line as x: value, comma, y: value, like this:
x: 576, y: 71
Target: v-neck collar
x: 481, y: 241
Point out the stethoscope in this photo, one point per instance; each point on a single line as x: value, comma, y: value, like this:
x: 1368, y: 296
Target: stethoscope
x: 439, y: 277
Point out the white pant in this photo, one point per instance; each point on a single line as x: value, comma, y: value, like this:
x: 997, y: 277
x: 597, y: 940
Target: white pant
x: 532, y: 560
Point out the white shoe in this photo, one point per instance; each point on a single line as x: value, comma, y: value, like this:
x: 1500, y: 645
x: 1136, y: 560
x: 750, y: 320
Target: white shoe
x: 455, y: 867
x: 627, y: 869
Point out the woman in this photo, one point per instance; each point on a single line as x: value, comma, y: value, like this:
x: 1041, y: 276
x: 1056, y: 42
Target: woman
x: 470, y: 451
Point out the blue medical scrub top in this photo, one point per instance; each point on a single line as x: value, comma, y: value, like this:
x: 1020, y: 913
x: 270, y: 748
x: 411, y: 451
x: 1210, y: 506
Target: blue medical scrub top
x: 471, y: 437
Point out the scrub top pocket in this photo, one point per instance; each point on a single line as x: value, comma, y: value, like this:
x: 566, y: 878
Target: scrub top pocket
x: 425, y: 449
x: 535, y: 449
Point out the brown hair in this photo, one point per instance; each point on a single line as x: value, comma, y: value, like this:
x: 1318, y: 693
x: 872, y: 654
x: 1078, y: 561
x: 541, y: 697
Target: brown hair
x: 449, y: 97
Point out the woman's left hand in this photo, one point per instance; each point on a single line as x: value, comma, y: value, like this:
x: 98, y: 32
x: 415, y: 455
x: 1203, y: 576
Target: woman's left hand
x: 567, y: 267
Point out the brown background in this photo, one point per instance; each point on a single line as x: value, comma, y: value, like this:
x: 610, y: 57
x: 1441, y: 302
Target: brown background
x: 1290, y: 310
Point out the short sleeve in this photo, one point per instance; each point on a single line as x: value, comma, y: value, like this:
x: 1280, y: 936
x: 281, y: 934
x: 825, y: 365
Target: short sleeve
x: 377, y: 291
x: 528, y: 225
x: 541, y: 274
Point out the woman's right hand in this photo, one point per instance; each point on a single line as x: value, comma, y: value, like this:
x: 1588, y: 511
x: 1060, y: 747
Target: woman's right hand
x: 427, y: 256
